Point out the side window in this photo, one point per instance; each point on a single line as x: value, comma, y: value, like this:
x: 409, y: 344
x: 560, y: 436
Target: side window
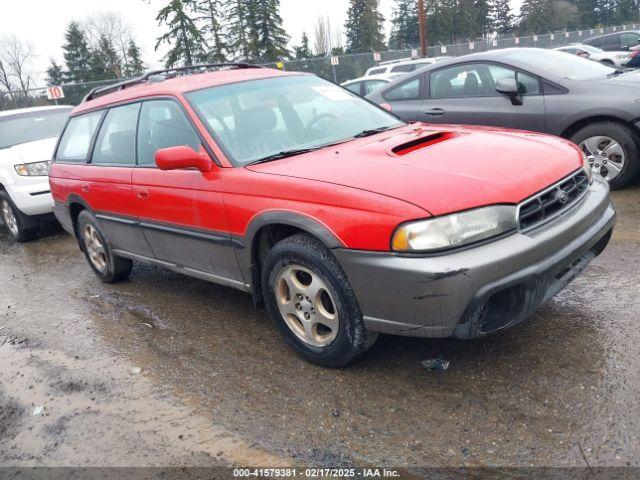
x: 409, y: 90
x: 116, y: 143
x: 163, y: 124
x: 403, y: 68
x: 77, y: 137
x: 473, y: 80
x: 354, y: 87
x: 629, y: 39
x: 372, y: 85
x: 527, y: 84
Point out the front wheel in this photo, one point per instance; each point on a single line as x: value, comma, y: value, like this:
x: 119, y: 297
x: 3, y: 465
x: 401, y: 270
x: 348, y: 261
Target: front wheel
x: 612, y: 150
x: 21, y: 227
x: 107, y: 266
x: 312, y: 304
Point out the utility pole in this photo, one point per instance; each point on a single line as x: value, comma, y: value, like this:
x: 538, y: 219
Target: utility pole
x: 422, y: 19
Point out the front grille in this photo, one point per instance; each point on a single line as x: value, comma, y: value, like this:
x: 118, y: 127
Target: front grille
x: 552, y: 201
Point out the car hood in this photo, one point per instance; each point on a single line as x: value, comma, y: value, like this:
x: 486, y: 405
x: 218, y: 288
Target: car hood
x: 457, y: 168
x: 35, y: 151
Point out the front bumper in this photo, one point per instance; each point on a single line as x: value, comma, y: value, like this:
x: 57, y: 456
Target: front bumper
x: 477, y: 291
x: 32, y: 196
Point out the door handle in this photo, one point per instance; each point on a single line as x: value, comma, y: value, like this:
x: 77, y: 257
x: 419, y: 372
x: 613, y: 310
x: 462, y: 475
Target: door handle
x: 84, y: 188
x: 142, y: 194
x: 435, y: 112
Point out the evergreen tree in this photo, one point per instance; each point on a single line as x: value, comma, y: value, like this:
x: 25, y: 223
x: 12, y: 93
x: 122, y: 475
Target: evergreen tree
x: 210, y: 12
x: 501, y: 16
x: 105, y: 60
x: 76, y: 53
x: 364, y: 26
x: 303, y: 52
x: 405, y: 29
x: 55, y: 74
x: 238, y: 31
x: 187, y: 43
x: 268, y: 39
x: 135, y: 65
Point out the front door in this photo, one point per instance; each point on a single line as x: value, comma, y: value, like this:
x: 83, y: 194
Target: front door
x: 466, y: 94
x: 180, y: 211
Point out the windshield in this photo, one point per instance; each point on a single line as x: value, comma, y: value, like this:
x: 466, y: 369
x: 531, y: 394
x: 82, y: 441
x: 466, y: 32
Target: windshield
x: 259, y: 119
x: 566, y: 66
x: 32, y: 126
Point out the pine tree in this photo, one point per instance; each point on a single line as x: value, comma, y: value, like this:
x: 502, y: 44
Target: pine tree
x: 135, y: 65
x: 238, y: 31
x: 210, y: 12
x: 76, y: 53
x: 267, y: 38
x: 187, y: 43
x: 536, y: 17
x: 364, y: 26
x: 55, y: 74
x: 501, y: 16
x: 106, y: 59
x: 405, y: 30
x: 303, y: 51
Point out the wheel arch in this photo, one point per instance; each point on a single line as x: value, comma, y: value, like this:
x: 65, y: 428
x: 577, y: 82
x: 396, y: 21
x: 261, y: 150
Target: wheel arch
x: 76, y: 205
x: 583, y: 122
x: 267, y: 229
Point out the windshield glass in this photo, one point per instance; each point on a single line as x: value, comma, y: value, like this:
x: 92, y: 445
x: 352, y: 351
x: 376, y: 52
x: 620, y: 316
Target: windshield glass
x: 566, y: 66
x: 261, y: 118
x: 32, y: 126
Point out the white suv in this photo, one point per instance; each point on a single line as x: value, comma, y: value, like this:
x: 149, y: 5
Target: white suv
x: 27, y: 139
x: 394, y: 68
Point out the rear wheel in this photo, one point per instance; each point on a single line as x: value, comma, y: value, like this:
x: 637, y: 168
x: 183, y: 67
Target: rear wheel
x: 107, y: 266
x: 21, y: 227
x: 612, y: 150
x: 311, y: 302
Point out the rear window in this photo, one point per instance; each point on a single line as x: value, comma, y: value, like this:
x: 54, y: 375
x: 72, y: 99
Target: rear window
x: 404, y: 68
x: 377, y: 71
x: 76, y: 140
x: 32, y: 126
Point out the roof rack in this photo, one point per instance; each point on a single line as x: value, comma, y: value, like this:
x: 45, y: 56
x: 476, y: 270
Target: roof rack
x: 164, y: 75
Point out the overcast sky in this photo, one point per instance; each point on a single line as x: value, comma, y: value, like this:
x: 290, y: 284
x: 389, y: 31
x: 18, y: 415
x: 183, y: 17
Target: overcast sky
x: 44, y: 23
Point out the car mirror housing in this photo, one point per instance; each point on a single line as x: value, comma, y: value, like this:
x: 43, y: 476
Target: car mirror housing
x: 176, y: 158
x: 509, y: 87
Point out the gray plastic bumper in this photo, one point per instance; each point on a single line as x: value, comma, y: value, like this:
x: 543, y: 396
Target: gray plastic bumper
x: 477, y: 291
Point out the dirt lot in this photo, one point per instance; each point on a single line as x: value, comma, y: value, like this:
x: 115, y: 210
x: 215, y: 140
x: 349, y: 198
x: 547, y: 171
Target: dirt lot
x: 217, y: 386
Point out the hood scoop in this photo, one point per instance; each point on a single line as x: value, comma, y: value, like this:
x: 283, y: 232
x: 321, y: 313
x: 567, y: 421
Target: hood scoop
x: 422, y: 142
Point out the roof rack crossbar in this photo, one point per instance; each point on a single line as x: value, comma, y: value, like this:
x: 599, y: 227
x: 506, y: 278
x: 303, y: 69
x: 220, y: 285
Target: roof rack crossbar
x: 104, y: 90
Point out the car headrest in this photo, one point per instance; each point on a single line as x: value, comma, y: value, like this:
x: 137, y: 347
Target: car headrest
x: 257, y: 120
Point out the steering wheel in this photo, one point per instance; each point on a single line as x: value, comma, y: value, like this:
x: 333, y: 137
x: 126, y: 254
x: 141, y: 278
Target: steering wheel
x: 319, y: 117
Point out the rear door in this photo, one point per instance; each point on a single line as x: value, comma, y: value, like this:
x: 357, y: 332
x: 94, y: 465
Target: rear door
x: 181, y: 212
x: 466, y: 94
x: 406, y: 98
x: 109, y: 179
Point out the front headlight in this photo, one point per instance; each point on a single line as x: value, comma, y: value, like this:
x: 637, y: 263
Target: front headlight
x: 586, y: 164
x: 36, y: 169
x: 454, y: 230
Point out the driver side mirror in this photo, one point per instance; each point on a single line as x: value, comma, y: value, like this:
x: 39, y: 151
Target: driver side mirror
x: 176, y: 158
x: 509, y: 87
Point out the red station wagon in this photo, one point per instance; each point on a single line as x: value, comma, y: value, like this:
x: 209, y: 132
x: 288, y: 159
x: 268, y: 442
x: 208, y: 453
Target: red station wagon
x: 337, y: 216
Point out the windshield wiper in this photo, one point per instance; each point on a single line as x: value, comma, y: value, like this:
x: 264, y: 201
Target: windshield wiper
x: 618, y: 71
x: 284, y: 154
x: 373, y: 131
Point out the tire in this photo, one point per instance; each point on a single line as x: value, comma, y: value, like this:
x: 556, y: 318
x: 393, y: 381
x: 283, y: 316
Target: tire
x: 108, y: 267
x: 295, y: 261
x: 625, y: 137
x: 21, y: 227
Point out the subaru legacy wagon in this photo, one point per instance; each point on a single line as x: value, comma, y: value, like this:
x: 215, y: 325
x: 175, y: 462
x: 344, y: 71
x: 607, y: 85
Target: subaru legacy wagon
x: 339, y: 218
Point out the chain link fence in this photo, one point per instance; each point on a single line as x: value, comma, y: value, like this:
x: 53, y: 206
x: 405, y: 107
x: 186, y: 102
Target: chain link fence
x: 338, y: 69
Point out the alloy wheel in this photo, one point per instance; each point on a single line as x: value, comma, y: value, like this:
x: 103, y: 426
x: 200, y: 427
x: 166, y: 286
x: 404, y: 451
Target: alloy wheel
x: 95, y: 248
x: 307, y: 306
x: 9, y: 217
x: 605, y: 154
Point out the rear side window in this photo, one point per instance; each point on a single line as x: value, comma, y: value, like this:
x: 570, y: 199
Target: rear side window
x: 163, y: 124
x: 354, y: 87
x: 116, y: 143
x: 76, y: 140
x: 409, y: 90
x: 377, y: 71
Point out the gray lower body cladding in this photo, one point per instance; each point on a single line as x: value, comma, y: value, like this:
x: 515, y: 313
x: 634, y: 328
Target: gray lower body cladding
x: 480, y: 290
